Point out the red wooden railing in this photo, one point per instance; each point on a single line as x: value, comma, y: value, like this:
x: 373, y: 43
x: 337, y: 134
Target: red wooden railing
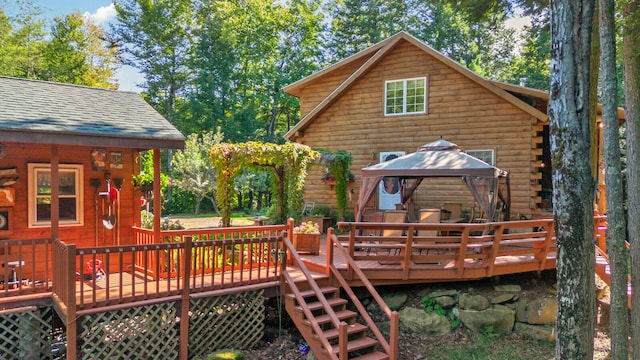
x: 26, y: 267
x: 472, y: 249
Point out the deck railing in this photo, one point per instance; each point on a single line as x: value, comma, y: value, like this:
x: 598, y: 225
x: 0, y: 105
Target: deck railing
x: 26, y: 267
x: 391, y: 346
x: 475, y: 247
x: 218, y: 259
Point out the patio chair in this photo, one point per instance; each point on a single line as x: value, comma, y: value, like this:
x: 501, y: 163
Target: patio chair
x: 428, y: 216
x: 392, y: 216
x: 307, y: 208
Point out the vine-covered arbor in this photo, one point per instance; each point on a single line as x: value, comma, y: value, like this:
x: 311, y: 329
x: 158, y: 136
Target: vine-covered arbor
x: 288, y: 165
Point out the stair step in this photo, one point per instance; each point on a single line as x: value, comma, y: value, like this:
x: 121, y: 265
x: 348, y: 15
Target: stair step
x: 372, y: 356
x: 351, y: 329
x: 318, y: 305
x: 324, y: 319
x: 308, y: 293
x: 357, y: 344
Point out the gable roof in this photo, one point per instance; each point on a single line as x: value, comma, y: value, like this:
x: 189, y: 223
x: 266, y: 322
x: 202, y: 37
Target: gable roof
x: 542, y: 95
x: 34, y: 111
x: 375, y: 54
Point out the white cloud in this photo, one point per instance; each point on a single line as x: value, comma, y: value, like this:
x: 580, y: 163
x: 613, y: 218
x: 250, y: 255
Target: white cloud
x: 103, y: 15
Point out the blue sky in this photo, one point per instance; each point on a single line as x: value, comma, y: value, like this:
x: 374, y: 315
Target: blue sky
x: 101, y: 12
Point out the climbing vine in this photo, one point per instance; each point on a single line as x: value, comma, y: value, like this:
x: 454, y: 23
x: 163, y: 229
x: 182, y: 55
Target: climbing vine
x: 339, y: 162
x: 288, y: 168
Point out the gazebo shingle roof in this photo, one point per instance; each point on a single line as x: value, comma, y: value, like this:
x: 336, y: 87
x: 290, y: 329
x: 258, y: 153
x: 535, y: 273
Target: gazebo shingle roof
x: 55, y: 113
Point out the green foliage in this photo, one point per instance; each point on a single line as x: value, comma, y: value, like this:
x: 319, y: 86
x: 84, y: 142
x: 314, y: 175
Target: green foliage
x: 287, y: 164
x: 323, y: 211
x: 192, y: 170
x: 144, y: 180
x: 431, y: 305
x: 166, y: 223
x: 339, y: 163
x: 75, y: 51
x: 226, y: 355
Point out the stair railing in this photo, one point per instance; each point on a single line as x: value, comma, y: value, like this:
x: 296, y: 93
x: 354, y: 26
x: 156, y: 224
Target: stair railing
x: 391, y: 346
x: 340, y: 325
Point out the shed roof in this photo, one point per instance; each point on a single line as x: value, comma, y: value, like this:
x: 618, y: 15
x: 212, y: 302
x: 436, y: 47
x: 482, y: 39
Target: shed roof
x: 34, y: 111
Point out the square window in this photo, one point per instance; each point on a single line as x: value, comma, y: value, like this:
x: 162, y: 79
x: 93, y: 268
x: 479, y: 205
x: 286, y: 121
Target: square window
x: 70, y: 196
x: 405, y: 96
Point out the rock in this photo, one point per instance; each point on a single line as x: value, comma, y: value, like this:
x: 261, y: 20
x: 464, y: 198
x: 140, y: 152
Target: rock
x: 536, y: 332
x: 226, y: 355
x: 540, y: 311
x: 440, y: 293
x: 417, y: 321
x: 499, y: 320
x: 446, y: 302
x: 395, y: 301
x: 473, y: 302
x: 508, y: 288
x: 503, y: 298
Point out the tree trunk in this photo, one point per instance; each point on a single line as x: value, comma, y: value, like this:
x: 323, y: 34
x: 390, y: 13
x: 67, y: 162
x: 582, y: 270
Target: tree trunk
x: 616, y: 249
x: 631, y: 56
x: 573, y: 184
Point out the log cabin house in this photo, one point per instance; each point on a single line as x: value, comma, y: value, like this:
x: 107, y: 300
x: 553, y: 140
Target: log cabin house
x: 399, y: 94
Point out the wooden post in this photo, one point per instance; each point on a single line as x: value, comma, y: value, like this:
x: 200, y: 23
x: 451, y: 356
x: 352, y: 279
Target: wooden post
x: 327, y: 269
x: 393, y: 336
x: 55, y: 192
x: 157, y: 197
x: 184, y: 306
x: 343, y: 341
x: 71, y: 324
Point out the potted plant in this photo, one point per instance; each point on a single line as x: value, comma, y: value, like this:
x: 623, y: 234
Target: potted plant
x: 306, y: 237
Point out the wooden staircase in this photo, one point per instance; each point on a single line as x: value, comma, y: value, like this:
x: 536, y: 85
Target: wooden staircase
x: 335, y: 328
x: 603, y: 269
x: 315, y: 323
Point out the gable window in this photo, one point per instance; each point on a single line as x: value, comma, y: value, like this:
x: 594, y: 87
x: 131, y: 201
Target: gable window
x: 484, y: 155
x: 70, y: 195
x: 408, y: 96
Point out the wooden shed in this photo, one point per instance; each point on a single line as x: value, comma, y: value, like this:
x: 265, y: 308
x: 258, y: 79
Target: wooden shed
x: 86, y: 140
x: 389, y: 99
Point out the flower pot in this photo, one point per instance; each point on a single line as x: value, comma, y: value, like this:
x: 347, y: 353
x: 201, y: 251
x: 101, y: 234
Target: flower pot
x: 307, y: 243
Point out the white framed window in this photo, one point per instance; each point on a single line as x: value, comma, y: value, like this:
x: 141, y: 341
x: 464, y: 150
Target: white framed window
x: 70, y: 195
x: 406, y: 96
x: 486, y: 155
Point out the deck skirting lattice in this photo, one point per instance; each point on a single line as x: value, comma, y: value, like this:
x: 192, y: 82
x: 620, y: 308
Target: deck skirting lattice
x: 26, y: 333
x: 140, y: 332
x: 228, y: 321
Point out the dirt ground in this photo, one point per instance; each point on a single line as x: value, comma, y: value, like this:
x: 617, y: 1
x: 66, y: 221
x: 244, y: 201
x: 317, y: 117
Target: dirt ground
x: 283, y: 341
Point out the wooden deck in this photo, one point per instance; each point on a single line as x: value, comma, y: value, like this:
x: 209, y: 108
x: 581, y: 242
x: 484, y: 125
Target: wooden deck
x: 483, y: 250
x: 224, y: 259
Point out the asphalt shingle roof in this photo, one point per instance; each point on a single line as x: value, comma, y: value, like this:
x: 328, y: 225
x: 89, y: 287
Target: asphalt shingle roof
x: 46, y: 112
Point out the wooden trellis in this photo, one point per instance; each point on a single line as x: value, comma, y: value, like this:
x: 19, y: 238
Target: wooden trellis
x: 26, y: 333
x: 140, y: 332
x: 230, y: 321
